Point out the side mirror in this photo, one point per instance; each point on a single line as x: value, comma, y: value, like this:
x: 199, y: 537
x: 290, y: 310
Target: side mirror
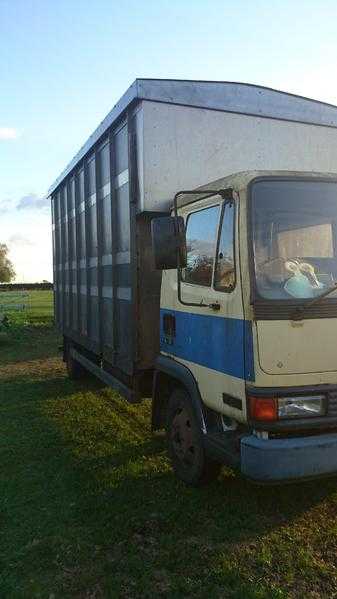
x: 168, y: 242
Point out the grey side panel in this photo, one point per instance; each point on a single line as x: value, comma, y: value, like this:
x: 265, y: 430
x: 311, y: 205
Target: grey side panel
x: 241, y: 98
x: 226, y: 96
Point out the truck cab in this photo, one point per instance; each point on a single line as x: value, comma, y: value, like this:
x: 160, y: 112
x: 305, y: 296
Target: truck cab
x: 247, y: 371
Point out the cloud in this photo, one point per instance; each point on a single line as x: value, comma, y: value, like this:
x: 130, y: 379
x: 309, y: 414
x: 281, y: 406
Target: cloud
x: 33, y: 201
x: 5, y: 206
x: 8, y: 133
x: 20, y: 241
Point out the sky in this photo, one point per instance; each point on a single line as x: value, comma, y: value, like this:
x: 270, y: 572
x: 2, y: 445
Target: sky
x: 65, y: 63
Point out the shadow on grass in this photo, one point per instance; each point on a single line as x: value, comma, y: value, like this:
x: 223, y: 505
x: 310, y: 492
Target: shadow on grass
x: 24, y: 342
x: 27, y: 388
x: 104, y: 417
x: 100, y: 506
x: 88, y: 501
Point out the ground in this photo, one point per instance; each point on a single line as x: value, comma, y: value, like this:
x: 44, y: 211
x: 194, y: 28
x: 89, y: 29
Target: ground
x: 89, y: 507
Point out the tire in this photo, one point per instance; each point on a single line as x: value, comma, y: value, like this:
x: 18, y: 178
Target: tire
x: 75, y: 369
x: 185, y: 444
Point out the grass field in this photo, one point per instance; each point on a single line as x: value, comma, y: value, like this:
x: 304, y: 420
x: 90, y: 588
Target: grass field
x: 89, y: 507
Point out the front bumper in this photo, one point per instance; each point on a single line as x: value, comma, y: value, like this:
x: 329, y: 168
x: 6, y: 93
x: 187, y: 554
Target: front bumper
x: 277, y: 460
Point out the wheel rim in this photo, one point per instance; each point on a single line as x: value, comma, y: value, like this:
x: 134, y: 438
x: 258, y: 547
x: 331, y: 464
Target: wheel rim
x: 182, y: 437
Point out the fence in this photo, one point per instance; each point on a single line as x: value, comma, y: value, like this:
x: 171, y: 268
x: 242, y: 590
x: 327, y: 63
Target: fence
x: 25, y: 286
x: 26, y: 306
x: 12, y: 301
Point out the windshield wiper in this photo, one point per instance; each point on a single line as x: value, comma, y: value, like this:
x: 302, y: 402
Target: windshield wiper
x: 297, y: 314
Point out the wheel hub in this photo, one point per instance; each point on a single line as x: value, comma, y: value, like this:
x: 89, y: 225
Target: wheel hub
x: 182, y: 437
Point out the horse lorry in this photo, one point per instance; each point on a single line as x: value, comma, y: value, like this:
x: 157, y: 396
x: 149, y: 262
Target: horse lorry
x: 195, y: 262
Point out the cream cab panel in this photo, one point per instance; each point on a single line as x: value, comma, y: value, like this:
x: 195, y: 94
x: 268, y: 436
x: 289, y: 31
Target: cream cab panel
x: 214, y: 343
x: 297, y: 347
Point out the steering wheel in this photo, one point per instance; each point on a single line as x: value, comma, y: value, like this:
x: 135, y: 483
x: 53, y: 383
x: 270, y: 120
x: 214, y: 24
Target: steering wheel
x: 278, y: 270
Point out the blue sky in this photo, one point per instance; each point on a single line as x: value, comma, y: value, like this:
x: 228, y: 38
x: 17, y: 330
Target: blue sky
x: 63, y: 64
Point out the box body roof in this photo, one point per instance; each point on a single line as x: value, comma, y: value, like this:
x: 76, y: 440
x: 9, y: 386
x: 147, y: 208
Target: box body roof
x: 239, y: 98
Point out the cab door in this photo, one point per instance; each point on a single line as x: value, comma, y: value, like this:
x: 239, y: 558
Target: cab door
x: 211, y: 338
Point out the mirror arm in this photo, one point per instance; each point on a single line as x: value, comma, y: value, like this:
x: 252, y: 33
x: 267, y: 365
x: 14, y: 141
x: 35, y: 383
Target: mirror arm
x: 226, y: 194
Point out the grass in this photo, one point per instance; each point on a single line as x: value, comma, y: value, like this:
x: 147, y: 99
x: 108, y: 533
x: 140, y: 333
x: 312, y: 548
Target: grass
x: 89, y: 507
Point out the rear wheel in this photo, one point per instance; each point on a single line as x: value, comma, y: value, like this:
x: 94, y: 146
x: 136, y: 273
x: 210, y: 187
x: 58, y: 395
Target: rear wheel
x: 185, y: 444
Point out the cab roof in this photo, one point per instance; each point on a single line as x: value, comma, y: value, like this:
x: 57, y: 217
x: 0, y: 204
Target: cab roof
x: 241, y: 180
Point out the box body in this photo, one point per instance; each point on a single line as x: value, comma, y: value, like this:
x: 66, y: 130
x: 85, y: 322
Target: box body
x: 153, y: 144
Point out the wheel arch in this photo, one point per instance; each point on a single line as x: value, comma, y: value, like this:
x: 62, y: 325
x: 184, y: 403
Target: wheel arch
x: 168, y: 375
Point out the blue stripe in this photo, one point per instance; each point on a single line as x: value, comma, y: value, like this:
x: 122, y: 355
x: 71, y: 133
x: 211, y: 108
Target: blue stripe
x: 222, y: 344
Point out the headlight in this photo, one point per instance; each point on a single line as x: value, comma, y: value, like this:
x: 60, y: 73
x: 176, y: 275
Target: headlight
x: 301, y: 407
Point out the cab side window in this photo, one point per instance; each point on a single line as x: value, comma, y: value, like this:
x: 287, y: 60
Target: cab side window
x: 201, y: 234
x: 224, y: 277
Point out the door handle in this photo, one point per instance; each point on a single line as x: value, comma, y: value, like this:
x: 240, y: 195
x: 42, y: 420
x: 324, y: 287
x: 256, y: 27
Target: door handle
x: 215, y: 306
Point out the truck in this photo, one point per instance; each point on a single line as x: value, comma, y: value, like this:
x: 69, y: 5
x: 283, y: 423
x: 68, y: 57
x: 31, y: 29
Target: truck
x: 195, y: 263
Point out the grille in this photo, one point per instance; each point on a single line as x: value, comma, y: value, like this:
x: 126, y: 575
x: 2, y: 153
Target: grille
x: 332, y: 403
x: 284, y: 310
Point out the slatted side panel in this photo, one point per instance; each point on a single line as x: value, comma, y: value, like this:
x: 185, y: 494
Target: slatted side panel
x: 81, y: 254
x: 72, y: 234
x: 105, y: 253
x: 58, y: 264
x: 54, y: 219
x: 122, y: 282
x: 92, y: 253
x: 66, y: 256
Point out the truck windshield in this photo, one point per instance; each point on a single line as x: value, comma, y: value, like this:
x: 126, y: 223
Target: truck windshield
x: 294, y: 238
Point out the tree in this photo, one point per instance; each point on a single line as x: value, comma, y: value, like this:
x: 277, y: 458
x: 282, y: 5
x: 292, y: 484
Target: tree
x: 7, y: 272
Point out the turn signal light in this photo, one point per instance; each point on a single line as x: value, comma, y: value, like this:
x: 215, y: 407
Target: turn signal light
x: 263, y: 408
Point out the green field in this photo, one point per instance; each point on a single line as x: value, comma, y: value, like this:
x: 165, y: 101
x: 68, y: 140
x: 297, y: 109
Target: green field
x: 89, y: 507
x: 37, y: 306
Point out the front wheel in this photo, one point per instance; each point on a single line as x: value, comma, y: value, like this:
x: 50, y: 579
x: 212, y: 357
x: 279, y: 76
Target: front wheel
x: 185, y: 444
